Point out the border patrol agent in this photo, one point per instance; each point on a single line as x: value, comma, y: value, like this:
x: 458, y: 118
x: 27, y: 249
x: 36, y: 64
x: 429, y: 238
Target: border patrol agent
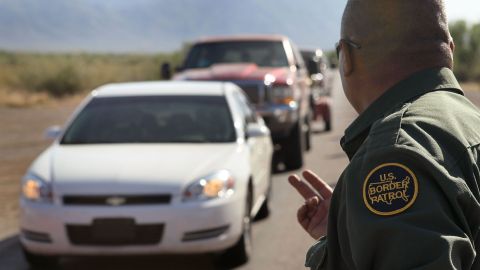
x: 410, y: 196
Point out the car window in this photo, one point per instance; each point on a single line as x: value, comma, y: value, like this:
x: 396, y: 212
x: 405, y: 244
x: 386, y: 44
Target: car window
x: 261, y: 53
x: 153, y: 119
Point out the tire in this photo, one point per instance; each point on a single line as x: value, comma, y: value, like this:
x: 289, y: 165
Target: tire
x: 327, y: 118
x: 293, y: 146
x: 40, y: 261
x: 240, y: 253
x: 308, y: 134
x: 328, y: 125
x: 264, y: 210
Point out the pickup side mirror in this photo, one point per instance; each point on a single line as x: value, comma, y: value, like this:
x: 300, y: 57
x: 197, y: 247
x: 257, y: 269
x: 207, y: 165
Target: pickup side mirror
x: 255, y: 130
x: 53, y: 132
x: 166, y: 71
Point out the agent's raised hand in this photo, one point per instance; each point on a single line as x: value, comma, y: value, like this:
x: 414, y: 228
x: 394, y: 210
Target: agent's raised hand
x: 313, y: 215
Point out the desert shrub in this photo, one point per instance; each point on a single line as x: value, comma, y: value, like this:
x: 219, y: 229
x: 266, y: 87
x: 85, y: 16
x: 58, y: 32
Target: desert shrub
x: 66, y: 74
x: 65, y: 82
x: 467, y: 50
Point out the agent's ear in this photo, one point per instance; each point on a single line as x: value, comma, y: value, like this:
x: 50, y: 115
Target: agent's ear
x: 452, y: 45
x: 452, y: 48
x: 346, y: 60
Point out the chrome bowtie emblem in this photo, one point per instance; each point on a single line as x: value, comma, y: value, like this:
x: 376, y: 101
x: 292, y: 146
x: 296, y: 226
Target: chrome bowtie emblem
x: 115, y: 201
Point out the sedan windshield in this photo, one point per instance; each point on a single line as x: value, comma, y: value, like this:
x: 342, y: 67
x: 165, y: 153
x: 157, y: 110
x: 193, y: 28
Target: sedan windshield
x: 261, y: 53
x: 152, y: 119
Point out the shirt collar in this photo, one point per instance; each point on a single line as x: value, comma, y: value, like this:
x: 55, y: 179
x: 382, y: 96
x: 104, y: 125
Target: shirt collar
x: 416, y: 85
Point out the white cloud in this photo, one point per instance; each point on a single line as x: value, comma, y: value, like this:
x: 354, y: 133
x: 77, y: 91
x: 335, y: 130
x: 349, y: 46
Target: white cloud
x: 463, y: 10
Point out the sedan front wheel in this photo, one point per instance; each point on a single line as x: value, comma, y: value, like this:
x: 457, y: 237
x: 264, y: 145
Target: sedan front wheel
x: 241, y: 251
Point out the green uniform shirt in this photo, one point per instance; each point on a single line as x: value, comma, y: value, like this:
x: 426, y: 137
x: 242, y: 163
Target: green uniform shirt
x: 409, y: 199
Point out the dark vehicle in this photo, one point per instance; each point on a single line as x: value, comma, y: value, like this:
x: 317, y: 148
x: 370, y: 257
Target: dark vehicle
x: 271, y: 71
x: 317, y: 65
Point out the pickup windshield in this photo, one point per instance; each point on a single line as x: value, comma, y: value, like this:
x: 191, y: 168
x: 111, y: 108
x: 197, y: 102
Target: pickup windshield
x: 262, y: 53
x: 152, y: 119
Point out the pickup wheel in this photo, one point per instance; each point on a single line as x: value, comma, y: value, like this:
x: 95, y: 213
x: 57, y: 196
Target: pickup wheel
x: 294, y: 149
x: 40, y: 261
x: 327, y: 118
x: 328, y: 125
x: 308, y: 133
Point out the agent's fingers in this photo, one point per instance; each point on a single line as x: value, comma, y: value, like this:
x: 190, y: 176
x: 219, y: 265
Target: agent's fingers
x: 320, y: 215
x: 312, y: 205
x: 302, y: 216
x: 318, y: 184
x: 301, y: 187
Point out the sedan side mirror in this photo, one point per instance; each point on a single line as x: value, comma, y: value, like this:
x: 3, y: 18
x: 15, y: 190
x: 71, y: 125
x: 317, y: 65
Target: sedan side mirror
x: 255, y: 130
x: 53, y: 132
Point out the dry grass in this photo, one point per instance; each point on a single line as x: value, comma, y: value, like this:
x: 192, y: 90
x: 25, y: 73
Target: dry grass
x: 28, y: 79
x: 22, y: 99
x: 471, y: 86
x: 25, y: 99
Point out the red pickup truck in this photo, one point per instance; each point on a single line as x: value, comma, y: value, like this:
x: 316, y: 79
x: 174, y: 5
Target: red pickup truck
x: 271, y: 71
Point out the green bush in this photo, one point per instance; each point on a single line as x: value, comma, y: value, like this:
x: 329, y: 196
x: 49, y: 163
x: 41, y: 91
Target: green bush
x: 65, y: 82
x: 66, y: 74
x: 467, y: 50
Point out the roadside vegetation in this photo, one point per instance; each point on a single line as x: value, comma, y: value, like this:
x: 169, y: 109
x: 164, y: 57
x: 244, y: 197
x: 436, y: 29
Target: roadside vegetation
x: 467, y: 50
x: 30, y: 78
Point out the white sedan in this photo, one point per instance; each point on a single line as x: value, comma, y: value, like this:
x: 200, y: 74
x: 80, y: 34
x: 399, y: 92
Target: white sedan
x: 148, y: 168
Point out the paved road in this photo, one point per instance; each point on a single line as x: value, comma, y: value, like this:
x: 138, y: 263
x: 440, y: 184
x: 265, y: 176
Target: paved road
x: 279, y: 242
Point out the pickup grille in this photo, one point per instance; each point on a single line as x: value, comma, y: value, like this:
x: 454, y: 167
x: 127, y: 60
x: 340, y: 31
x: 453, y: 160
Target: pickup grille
x: 254, y: 91
x: 116, y: 200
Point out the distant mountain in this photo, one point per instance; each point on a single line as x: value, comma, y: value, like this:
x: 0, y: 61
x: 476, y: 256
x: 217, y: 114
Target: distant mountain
x: 160, y: 25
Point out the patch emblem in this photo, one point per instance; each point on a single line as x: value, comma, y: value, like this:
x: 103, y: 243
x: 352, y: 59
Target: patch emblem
x: 389, y: 189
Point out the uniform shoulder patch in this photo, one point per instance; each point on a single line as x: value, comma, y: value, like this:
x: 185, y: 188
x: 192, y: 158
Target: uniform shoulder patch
x: 390, y: 189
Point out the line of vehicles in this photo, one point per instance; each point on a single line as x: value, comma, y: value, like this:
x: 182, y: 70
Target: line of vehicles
x: 181, y: 166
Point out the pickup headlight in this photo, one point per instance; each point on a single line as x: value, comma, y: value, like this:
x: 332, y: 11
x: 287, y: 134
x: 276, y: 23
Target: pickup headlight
x: 283, y: 94
x: 36, y: 189
x: 217, y: 185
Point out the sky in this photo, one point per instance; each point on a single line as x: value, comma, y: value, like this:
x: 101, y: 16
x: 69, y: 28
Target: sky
x: 468, y: 10
x: 30, y: 25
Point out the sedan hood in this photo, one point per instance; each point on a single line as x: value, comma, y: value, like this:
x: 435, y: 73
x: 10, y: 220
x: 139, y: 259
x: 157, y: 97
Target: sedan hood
x: 130, y: 168
x: 231, y: 72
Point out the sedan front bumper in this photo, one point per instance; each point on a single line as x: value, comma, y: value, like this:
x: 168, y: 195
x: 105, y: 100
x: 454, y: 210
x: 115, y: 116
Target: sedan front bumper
x: 186, y: 227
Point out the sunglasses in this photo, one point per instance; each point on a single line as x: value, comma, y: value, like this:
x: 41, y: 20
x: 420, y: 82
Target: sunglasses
x: 351, y: 43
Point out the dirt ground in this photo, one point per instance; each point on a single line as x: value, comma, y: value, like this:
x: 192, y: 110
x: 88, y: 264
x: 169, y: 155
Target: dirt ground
x: 22, y: 139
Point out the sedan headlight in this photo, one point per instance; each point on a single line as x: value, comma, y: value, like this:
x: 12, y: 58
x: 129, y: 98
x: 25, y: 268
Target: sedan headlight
x: 217, y: 185
x: 36, y: 189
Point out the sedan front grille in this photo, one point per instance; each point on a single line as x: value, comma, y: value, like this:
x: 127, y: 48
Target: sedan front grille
x: 116, y: 200
x: 115, y: 232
